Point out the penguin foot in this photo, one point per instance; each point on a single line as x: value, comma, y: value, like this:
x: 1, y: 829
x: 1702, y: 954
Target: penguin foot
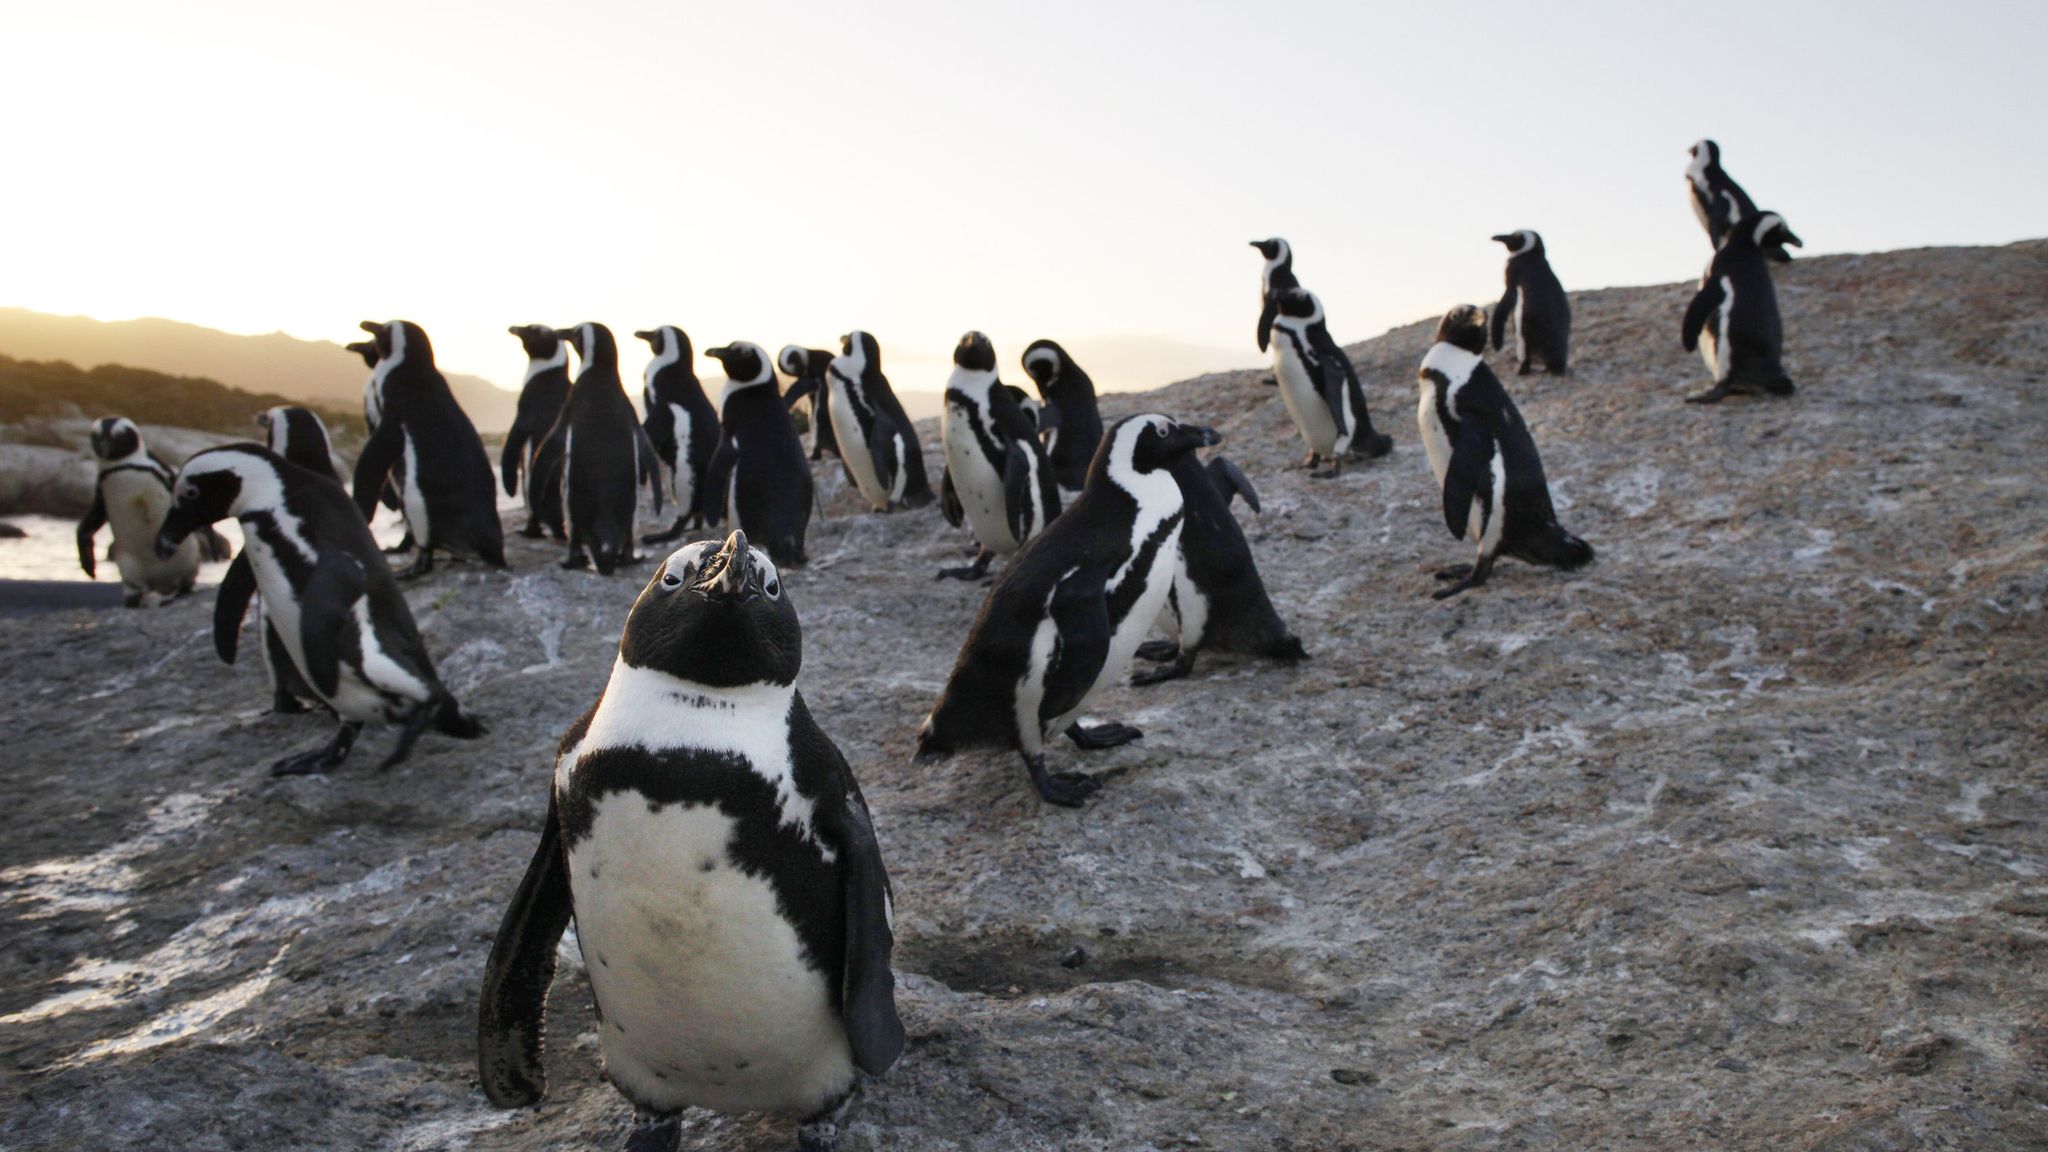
x: 1374, y: 446
x: 1558, y: 370
x: 674, y: 531
x: 1783, y: 385
x: 655, y: 1134
x: 407, y: 737
x: 1327, y: 474
x: 1173, y: 669
x: 286, y: 704
x: 532, y: 531
x: 1066, y: 789
x: 1524, y: 370
x: 1314, y: 458
x: 972, y: 571
x: 421, y: 565
x: 1474, y: 577
x: 576, y: 562
x: 1157, y: 650
x: 322, y: 758
x: 1454, y: 572
x: 1713, y: 395
x: 1102, y: 735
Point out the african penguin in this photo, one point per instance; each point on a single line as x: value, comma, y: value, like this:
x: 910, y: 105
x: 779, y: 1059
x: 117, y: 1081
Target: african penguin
x: 600, y: 454
x: 1485, y: 460
x: 1218, y: 602
x: 1319, y: 387
x: 1733, y: 319
x: 427, y: 445
x: 373, y: 414
x: 1721, y: 204
x: 1072, y: 423
x: 131, y: 494
x: 681, y: 424
x: 327, y: 591
x: 806, y: 369
x: 876, y: 439
x: 1275, y: 277
x: 997, y: 478
x: 758, y: 479
x: 1534, y: 305
x: 1066, y: 616
x: 716, y: 855
x: 541, y: 397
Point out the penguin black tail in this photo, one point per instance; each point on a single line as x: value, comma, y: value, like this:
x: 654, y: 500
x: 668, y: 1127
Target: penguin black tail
x: 451, y: 720
x: 1558, y: 549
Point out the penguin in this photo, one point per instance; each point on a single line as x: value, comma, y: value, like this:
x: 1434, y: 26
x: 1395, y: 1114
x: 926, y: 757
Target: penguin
x: 327, y: 591
x: 300, y: 436
x: 373, y: 414
x: 1720, y: 203
x: 1073, y: 425
x: 721, y: 867
x: 876, y: 439
x: 806, y: 368
x: 997, y: 478
x: 1733, y: 319
x: 600, y: 455
x: 1319, y: 386
x: 1276, y: 277
x: 1534, y: 305
x: 681, y: 424
x: 541, y: 397
x: 1218, y: 602
x: 426, y: 443
x: 758, y: 479
x: 1066, y: 616
x: 130, y: 495
x: 1485, y: 460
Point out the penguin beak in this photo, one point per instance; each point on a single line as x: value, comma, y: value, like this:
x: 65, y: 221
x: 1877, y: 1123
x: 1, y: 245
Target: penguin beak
x: 170, y: 536
x: 648, y: 336
x: 1188, y: 437
x: 730, y: 575
x: 372, y: 327
x: 1504, y: 238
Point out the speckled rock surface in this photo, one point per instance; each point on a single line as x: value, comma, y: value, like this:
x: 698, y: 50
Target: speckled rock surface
x: 1732, y: 840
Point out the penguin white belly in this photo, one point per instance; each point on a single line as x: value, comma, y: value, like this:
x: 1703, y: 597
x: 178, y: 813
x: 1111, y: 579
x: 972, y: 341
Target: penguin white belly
x: 1304, y: 404
x: 1130, y: 631
x: 979, y: 487
x: 1520, y: 318
x: 136, y: 504
x: 1714, y: 337
x: 1192, y: 620
x: 1489, y: 518
x: 413, y: 502
x: 1435, y: 441
x: 853, y: 448
x: 682, y: 483
x: 704, y: 990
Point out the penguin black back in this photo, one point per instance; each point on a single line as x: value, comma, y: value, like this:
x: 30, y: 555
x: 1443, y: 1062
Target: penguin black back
x: 758, y: 476
x: 541, y: 396
x: 1534, y: 305
x: 680, y: 422
x: 604, y: 455
x: 1073, y: 429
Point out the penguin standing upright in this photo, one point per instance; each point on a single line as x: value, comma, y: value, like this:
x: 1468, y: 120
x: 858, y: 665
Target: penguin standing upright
x: 875, y: 438
x: 806, y: 368
x: 1485, y: 460
x: 1319, y: 387
x: 131, y: 493
x: 426, y: 443
x: 1275, y: 277
x: 373, y: 414
x: 601, y: 454
x: 758, y: 479
x: 1067, y: 615
x: 681, y: 423
x: 1721, y: 204
x: 997, y: 478
x: 1534, y: 305
x: 541, y: 397
x: 328, y: 592
x: 300, y: 436
x: 1733, y: 319
x: 716, y: 855
x: 1218, y: 602
x: 1073, y: 423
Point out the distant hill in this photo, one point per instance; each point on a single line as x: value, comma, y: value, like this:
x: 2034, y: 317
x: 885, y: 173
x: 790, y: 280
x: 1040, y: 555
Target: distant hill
x: 314, y: 372
x: 32, y: 388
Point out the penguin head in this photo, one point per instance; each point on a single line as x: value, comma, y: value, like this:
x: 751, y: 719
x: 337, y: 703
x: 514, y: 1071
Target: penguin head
x: 1275, y: 250
x: 975, y: 353
x: 115, y: 438
x: 862, y: 352
x: 1299, y: 304
x: 745, y: 364
x: 794, y: 360
x: 1704, y: 153
x: 367, y: 349
x: 668, y: 339
x: 718, y: 615
x: 593, y: 344
x: 277, y: 428
x: 1521, y: 242
x: 1146, y: 443
x: 1042, y: 362
x: 216, y: 484
x: 539, y: 341
x: 1770, y: 229
x: 1464, y: 327
x: 400, y: 340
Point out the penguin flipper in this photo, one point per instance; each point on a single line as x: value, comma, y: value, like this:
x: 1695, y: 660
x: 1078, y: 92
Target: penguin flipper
x: 89, y: 526
x: 718, y: 477
x: 648, y: 465
x: 230, y: 604
x: 546, y: 472
x: 514, y: 453
x: 1080, y: 613
x: 949, y: 500
x: 1017, y: 485
x: 512, y: 1011
x: 1469, y: 475
x: 1232, y: 482
x: 1703, y: 304
x: 1268, y: 310
x: 873, y: 1030
x: 804, y: 386
x: 1048, y: 419
x: 325, y: 615
x: 380, y: 452
x: 1503, y: 310
x: 884, y: 452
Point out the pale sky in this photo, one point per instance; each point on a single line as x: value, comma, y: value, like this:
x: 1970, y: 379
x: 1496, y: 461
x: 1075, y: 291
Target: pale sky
x: 1090, y: 172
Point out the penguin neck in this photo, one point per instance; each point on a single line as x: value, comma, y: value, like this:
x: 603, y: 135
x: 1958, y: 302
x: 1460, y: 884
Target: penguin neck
x: 976, y: 383
x: 671, y: 352
x: 535, y: 365
x: 1453, y: 362
x: 735, y: 388
x: 666, y: 710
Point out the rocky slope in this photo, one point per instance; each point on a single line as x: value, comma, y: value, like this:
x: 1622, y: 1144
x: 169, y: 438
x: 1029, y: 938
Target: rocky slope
x: 1732, y: 840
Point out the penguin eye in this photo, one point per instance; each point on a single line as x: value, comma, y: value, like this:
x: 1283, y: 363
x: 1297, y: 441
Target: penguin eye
x: 773, y: 587
x: 670, y: 580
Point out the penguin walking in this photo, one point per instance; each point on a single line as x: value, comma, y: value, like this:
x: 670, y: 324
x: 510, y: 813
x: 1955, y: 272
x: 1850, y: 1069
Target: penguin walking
x: 681, y: 424
x: 806, y: 369
x: 327, y: 591
x: 1067, y: 615
x: 600, y: 454
x: 1319, y: 387
x: 1733, y: 319
x: 1072, y: 421
x: 373, y: 415
x: 427, y: 445
x: 1485, y: 460
x: 541, y: 397
x: 719, y: 862
x: 130, y: 495
x: 758, y: 479
x: 997, y: 478
x: 1721, y: 204
x: 875, y: 438
x: 1534, y: 305
x: 1218, y: 603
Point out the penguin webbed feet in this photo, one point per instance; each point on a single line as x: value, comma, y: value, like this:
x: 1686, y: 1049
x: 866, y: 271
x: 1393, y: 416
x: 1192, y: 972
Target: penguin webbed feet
x: 973, y: 571
x: 675, y: 531
x: 422, y: 564
x: 322, y: 758
x: 1713, y: 395
x: 1158, y: 650
x: 533, y: 530
x: 1066, y: 789
x: 285, y: 704
x: 1102, y: 735
x: 1466, y: 575
x: 1175, y: 667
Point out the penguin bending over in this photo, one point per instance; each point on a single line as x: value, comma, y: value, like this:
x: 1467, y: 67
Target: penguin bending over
x: 758, y: 479
x: 716, y: 855
x: 1218, y: 602
x: 1534, y: 305
x: 1721, y: 204
x: 427, y: 445
x: 681, y: 424
x: 875, y: 437
x: 1072, y: 421
x: 541, y: 398
x: 1485, y: 460
x: 1066, y: 616
x: 1733, y: 319
x: 1319, y: 386
x: 806, y: 367
x: 327, y: 591
x: 131, y: 494
x: 997, y: 478
x: 600, y: 454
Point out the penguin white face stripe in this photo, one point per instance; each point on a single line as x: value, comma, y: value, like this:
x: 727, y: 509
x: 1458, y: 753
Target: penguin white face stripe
x: 559, y: 359
x: 1156, y: 492
x: 1041, y: 358
x: 260, y: 490
x: 671, y: 351
x: 386, y: 365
